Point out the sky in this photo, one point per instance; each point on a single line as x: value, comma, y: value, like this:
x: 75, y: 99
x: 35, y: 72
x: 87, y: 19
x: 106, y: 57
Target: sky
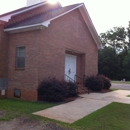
x: 105, y: 14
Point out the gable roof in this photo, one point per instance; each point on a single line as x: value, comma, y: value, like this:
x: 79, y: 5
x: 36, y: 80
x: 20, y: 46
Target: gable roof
x: 43, y: 20
x: 45, y: 16
x: 7, y: 16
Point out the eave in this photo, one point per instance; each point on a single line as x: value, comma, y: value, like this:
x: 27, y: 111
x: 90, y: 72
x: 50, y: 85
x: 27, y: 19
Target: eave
x: 84, y: 13
x: 39, y: 26
x: 90, y: 26
x: 7, y: 17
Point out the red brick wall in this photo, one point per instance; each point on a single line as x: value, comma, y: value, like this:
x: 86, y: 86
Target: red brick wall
x: 66, y: 32
x: 3, y: 53
x: 26, y: 79
x: 45, y: 53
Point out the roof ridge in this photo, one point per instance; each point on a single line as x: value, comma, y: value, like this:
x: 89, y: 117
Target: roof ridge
x: 73, y: 4
x: 22, y: 8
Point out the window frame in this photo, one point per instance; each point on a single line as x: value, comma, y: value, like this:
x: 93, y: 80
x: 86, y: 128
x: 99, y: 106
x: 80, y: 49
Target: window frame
x: 16, y: 67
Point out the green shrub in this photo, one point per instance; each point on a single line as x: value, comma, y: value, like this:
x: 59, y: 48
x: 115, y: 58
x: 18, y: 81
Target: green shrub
x: 54, y: 90
x: 94, y: 83
x: 106, y: 81
x: 72, y: 89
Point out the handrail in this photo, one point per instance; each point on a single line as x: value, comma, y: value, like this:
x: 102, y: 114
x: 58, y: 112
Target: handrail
x: 84, y: 77
x: 69, y: 79
x: 83, y: 82
x: 81, y: 79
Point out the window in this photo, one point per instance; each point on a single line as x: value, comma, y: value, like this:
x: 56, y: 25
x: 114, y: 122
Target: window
x: 20, y: 57
x: 3, y: 83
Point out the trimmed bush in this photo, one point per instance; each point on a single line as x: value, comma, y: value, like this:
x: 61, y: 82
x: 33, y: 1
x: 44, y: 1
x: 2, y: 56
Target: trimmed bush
x: 106, y: 81
x: 72, y: 89
x: 54, y: 90
x: 93, y: 83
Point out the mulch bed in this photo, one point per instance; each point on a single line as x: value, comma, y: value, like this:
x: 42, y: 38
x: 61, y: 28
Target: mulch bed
x: 74, y: 98
x: 71, y: 99
x: 105, y: 90
x: 102, y: 91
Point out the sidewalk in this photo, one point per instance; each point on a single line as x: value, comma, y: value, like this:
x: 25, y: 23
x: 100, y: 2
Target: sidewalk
x: 88, y: 103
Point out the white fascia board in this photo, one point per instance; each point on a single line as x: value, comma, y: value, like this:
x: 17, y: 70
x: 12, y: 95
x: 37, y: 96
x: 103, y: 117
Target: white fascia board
x: 46, y: 23
x: 7, y: 17
x: 22, y: 27
x: 90, y: 26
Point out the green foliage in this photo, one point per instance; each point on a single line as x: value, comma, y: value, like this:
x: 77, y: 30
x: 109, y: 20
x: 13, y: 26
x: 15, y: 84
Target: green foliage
x: 97, y: 83
x: 126, y: 63
x: 16, y: 108
x: 54, y: 90
x: 114, y: 59
x: 106, y: 81
x: 107, y: 63
x: 115, y: 116
x: 71, y: 89
x: 94, y: 83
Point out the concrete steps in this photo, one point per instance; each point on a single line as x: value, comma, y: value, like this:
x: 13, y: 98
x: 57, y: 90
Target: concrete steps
x: 82, y: 89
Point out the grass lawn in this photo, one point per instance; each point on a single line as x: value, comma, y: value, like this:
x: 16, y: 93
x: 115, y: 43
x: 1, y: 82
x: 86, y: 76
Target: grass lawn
x: 119, y: 82
x: 113, y: 89
x: 15, y: 108
x: 115, y: 116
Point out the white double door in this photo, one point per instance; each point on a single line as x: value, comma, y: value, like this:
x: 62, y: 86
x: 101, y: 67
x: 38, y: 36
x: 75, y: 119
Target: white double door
x: 70, y: 66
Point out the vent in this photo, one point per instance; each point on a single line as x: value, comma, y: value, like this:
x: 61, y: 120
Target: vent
x: 3, y: 84
x: 17, y: 93
x: 3, y: 92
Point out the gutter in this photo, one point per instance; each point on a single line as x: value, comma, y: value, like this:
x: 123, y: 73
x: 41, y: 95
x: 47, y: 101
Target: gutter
x: 28, y: 28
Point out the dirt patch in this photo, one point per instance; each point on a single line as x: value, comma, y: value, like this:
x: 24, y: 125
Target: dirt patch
x: 24, y: 123
x: 2, y: 114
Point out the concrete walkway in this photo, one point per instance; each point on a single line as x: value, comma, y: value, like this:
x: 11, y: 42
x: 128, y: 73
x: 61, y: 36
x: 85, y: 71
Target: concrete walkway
x: 88, y: 103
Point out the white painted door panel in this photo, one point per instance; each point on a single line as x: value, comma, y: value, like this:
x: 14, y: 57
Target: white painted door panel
x: 70, y: 66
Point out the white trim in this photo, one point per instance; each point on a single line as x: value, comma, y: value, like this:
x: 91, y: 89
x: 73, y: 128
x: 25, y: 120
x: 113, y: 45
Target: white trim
x: 17, y: 28
x: 90, y: 26
x: 44, y: 24
x: 64, y: 13
x: 85, y: 15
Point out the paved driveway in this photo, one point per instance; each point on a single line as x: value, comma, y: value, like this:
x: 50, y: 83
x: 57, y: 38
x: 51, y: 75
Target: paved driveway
x: 121, y: 86
x: 88, y: 103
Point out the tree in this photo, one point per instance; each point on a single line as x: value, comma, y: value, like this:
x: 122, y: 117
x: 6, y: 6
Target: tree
x: 114, y: 59
x: 126, y: 64
x: 116, y: 38
x: 107, y: 63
